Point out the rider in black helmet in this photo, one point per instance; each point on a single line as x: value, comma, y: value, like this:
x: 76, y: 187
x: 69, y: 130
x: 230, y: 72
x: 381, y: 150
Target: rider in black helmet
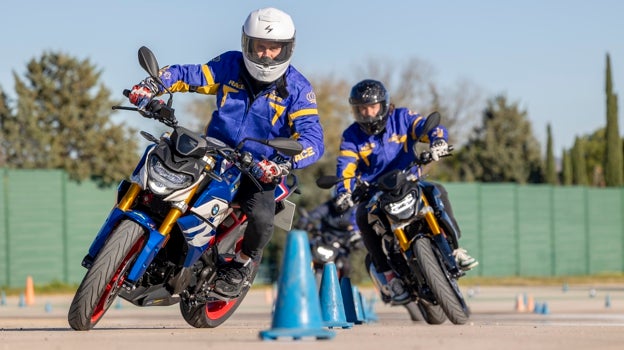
x: 369, y: 92
x: 382, y: 139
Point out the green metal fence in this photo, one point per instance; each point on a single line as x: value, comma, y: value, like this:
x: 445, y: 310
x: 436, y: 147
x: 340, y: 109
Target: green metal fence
x: 540, y: 230
x: 48, y: 222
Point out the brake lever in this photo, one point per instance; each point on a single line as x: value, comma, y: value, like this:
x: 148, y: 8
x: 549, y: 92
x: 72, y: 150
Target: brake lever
x: 125, y: 108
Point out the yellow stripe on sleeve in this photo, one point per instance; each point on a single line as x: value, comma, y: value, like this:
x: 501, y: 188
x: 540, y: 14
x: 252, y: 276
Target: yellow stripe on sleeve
x: 302, y: 112
x: 349, y: 172
x: 179, y: 86
x: 414, y: 127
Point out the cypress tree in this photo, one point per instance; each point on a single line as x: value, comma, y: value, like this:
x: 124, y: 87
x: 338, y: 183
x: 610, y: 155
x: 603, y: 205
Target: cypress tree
x: 613, y: 154
x: 5, y: 114
x: 579, y: 166
x: 566, y: 169
x: 551, y: 171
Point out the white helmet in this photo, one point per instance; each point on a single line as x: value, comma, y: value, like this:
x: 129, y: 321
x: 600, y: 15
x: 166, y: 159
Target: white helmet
x: 273, y: 25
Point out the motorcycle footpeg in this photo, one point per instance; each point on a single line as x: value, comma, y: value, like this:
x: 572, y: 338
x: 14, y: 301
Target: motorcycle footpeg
x: 386, y: 299
x: 128, y: 286
x: 215, y: 295
x: 402, y: 302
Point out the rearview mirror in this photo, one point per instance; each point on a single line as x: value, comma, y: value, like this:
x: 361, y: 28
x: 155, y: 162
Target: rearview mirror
x: 326, y: 181
x: 147, y: 60
x: 285, y: 145
x: 431, y: 122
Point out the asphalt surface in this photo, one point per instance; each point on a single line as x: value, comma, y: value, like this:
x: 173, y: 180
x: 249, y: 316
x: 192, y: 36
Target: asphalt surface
x: 578, y: 317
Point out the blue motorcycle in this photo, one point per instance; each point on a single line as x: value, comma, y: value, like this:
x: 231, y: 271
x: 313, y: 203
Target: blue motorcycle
x: 175, y: 221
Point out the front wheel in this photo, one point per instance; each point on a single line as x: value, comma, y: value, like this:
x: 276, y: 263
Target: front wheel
x: 102, y: 282
x: 213, y: 313
x: 444, y: 288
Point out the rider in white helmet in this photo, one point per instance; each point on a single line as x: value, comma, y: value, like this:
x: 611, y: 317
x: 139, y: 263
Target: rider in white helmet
x: 259, y: 95
x: 272, y: 30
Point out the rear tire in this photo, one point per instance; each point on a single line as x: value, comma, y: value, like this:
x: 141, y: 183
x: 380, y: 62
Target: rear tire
x: 414, y: 311
x: 212, y: 314
x: 101, y: 284
x: 444, y: 288
x: 432, y: 314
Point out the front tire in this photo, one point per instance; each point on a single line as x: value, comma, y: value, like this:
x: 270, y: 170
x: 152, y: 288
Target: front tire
x: 102, y: 282
x: 444, y: 288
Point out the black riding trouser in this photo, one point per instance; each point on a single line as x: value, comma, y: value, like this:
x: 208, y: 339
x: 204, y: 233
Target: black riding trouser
x: 259, y: 206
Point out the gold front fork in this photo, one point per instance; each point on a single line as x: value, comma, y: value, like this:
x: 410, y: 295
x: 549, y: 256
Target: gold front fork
x: 173, y: 215
x: 129, y: 197
x: 431, y: 219
x: 404, y: 243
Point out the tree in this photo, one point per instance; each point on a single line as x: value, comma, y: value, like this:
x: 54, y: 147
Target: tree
x: 5, y: 113
x: 594, y: 149
x: 579, y: 166
x: 62, y: 121
x: 503, y: 148
x: 614, y: 164
x: 551, y: 170
x: 566, y: 169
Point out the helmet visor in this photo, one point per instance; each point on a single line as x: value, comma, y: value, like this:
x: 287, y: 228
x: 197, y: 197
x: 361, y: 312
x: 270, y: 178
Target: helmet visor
x: 267, y: 52
x: 368, y: 117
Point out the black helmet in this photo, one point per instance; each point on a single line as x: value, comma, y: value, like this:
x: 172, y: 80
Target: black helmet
x: 368, y: 92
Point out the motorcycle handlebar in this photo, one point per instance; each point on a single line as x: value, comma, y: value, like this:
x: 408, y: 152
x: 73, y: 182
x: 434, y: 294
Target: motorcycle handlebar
x: 156, y: 109
x: 425, y: 157
x: 363, y: 189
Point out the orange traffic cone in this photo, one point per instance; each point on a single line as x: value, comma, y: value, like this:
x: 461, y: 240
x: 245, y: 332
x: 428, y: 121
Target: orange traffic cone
x: 530, y: 306
x: 29, y: 295
x: 520, y: 303
x: 268, y: 296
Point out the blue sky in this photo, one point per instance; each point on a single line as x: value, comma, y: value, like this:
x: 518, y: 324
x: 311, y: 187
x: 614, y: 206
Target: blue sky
x: 549, y: 56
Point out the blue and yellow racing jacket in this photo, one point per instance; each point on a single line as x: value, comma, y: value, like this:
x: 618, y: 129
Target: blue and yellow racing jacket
x: 370, y: 156
x: 286, y: 108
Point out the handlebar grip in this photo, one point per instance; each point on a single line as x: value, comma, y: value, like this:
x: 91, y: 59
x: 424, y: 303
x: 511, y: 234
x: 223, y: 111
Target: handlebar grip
x: 155, y: 105
x: 126, y: 92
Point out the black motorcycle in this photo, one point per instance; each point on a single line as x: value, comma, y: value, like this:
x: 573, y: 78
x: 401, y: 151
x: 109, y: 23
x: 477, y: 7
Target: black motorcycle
x: 331, y: 246
x: 419, y: 240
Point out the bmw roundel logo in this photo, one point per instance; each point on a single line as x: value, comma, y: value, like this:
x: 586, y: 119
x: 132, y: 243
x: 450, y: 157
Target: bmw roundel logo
x: 215, y: 210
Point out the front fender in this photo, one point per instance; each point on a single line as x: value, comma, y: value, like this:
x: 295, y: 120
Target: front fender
x: 114, y: 217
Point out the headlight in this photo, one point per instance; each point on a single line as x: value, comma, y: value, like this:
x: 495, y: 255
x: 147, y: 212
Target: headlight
x: 404, y: 208
x: 164, y: 181
x: 323, y: 253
